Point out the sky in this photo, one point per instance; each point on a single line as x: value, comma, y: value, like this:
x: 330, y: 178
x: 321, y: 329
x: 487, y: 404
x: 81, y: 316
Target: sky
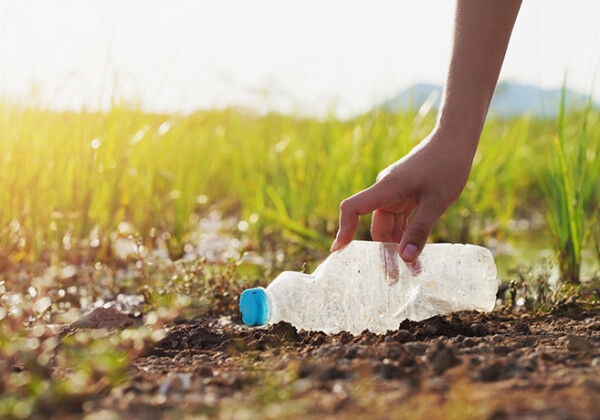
x: 309, y: 56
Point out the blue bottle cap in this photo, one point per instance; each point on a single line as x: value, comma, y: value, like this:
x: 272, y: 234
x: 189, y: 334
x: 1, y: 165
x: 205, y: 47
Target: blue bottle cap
x: 254, y: 305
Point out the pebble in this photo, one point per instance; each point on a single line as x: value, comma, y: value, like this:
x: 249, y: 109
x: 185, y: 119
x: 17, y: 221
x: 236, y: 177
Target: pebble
x: 417, y: 349
x: 432, y: 330
x: 401, y: 336
x: 389, y: 371
x: 441, y: 358
x: 502, y: 349
x: 109, y: 318
x: 391, y: 351
x: 468, y: 342
x: 577, y: 344
x: 479, y: 330
x: 522, y: 328
x: 178, y: 382
x: 331, y: 373
x: 497, y: 338
x: 491, y: 371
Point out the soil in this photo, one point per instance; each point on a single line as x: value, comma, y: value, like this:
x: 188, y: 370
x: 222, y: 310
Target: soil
x: 499, y: 365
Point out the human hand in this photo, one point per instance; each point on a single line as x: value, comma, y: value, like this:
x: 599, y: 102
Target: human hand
x: 426, y: 181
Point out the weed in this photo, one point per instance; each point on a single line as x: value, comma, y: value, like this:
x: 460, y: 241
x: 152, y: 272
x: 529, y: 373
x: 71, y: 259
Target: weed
x: 570, y: 184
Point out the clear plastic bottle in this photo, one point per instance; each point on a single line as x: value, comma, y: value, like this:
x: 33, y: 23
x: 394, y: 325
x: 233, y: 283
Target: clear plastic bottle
x: 366, y: 285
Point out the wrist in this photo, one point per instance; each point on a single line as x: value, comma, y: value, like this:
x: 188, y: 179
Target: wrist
x: 460, y: 139
x: 466, y: 124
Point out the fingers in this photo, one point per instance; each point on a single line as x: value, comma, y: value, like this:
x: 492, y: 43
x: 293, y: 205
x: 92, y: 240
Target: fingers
x: 417, y: 232
x: 382, y: 225
x: 400, y: 224
x: 364, y: 202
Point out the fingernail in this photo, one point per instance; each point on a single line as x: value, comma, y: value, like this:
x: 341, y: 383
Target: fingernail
x: 415, y: 267
x: 410, y: 252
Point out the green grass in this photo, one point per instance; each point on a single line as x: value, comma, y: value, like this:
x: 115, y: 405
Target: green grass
x: 570, y: 183
x: 71, y: 177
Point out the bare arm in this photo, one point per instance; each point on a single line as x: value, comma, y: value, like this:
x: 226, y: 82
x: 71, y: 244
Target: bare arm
x: 430, y: 178
x: 482, y: 30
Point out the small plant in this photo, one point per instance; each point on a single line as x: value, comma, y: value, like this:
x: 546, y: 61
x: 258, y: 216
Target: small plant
x: 537, y: 290
x: 569, y: 182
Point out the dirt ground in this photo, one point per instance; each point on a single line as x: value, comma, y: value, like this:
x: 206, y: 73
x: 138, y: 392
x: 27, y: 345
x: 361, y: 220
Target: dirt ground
x: 467, y: 365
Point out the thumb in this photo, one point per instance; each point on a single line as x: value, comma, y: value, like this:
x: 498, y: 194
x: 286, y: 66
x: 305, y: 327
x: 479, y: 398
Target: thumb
x: 417, y: 232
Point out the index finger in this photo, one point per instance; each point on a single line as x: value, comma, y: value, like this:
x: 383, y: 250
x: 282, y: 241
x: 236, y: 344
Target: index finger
x: 364, y: 202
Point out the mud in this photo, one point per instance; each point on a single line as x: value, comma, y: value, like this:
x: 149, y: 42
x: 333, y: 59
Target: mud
x: 466, y: 365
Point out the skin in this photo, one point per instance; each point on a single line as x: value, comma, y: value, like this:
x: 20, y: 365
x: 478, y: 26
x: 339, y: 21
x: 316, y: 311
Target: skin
x: 425, y: 182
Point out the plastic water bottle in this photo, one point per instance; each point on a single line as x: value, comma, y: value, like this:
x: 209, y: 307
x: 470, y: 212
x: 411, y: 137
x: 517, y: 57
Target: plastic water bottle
x: 366, y: 285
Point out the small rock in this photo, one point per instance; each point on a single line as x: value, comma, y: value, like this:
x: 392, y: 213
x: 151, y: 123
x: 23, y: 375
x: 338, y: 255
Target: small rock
x: 502, y: 349
x: 528, y: 342
x: 441, y: 358
x: 365, y: 338
x: 334, y: 351
x: 522, y: 328
x: 416, y: 349
x: 530, y: 362
x: 479, y: 330
x: 317, y: 340
x: 474, y: 361
x: 331, y: 373
x: 253, y: 345
x: 388, y: 371
x: 285, y: 331
x: 352, y: 351
x: 345, y: 337
x: 491, y: 371
x: 178, y: 382
x: 204, y: 371
x: 497, y: 338
x: 270, y: 341
x: 576, y: 343
x: 483, y: 347
x: 109, y: 318
x: 547, y: 355
x: 321, y: 371
x: 201, y: 358
x: 67, y: 272
x: 401, y: 336
x: 303, y: 385
x: 468, y: 342
x: 307, y: 369
x: 391, y: 351
x: 431, y: 330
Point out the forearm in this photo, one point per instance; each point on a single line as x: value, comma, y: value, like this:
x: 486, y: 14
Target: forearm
x: 411, y: 194
x: 482, y: 30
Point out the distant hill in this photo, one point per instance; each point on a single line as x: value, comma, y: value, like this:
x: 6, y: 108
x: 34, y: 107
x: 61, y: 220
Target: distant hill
x: 509, y: 99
